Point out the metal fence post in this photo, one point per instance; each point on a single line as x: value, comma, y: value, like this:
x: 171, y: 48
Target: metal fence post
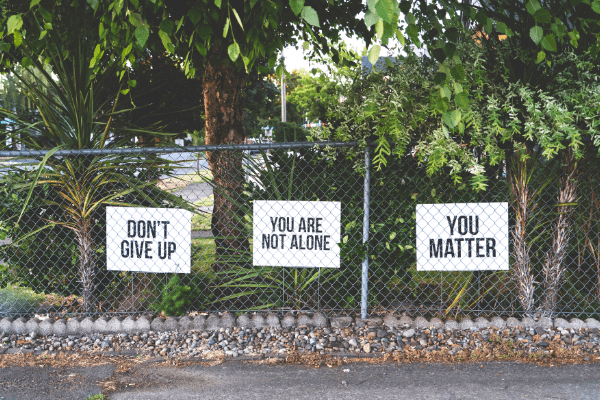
x: 365, y: 264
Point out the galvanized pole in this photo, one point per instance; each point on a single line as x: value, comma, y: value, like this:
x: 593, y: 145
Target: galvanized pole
x: 365, y: 264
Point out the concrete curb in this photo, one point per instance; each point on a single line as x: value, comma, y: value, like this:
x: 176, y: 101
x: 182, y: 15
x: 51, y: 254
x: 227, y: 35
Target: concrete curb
x: 212, y: 322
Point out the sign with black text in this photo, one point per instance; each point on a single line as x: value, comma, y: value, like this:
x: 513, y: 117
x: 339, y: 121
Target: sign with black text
x: 148, y: 239
x: 462, y: 237
x: 296, y: 234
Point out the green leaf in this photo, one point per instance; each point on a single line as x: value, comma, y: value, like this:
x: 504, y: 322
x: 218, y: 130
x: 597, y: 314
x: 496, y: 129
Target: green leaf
x: 400, y: 37
x: 413, y: 32
x: 93, y: 4
x: 542, y: 16
x: 272, y: 62
x: 296, y: 6
x: 439, y: 78
x: 194, y: 15
x: 131, y: 82
x: 536, y: 33
x: 385, y: 9
x: 452, y: 118
x: 167, y: 26
x: 371, y: 19
x: 541, y: 56
x: 596, y: 6
x: 166, y: 41
x: 532, y: 6
x: 559, y: 29
x: 218, y: 3
x: 126, y: 50
x: 374, y: 54
x: 439, y: 55
x: 26, y: 62
x: 234, y: 51
x: 410, y: 19
x: 124, y: 91
x: 141, y: 35
x: 310, y: 15
x: 549, y: 43
x: 305, y: 45
x: 43, y: 34
x: 15, y: 22
x: 48, y: 26
x: 371, y: 5
x: 97, y: 55
x: 34, y: 3
x: 461, y: 100
x: 238, y: 18
x: 452, y: 34
x: 379, y: 28
x: 136, y: 3
x: 226, y: 27
x: 201, y: 49
x: 458, y: 72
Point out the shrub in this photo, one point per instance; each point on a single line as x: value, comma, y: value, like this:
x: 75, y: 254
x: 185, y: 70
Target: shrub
x: 182, y: 294
x: 19, y: 300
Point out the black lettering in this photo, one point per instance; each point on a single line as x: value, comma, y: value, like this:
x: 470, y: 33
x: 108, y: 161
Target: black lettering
x: 172, y: 248
x: 459, y: 247
x: 479, y: 247
x: 490, y: 245
x: 139, y: 248
x: 318, y: 220
x: 310, y: 242
x: 462, y: 223
x: 141, y: 226
x: 451, y: 224
x: 274, y: 241
x: 290, y: 228
x: 165, y: 223
x: 274, y: 223
x: 147, y: 249
x: 469, y: 241
x: 300, y: 240
x: 302, y: 225
x: 131, y: 248
x: 449, y: 249
x: 125, y: 248
x: 318, y: 242
x: 435, y: 252
x: 326, y: 242
x: 281, y: 224
x: 162, y: 254
x: 294, y: 244
x: 151, y: 226
x: 130, y: 225
x: 476, y: 225
x: 266, y: 244
x: 281, y: 237
x: 310, y: 224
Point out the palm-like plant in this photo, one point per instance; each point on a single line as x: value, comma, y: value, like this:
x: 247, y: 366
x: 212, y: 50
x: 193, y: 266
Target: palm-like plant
x: 71, y: 103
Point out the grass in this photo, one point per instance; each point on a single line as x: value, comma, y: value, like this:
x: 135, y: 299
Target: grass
x: 181, y: 181
x: 98, y: 396
x: 203, y: 254
x: 201, y: 221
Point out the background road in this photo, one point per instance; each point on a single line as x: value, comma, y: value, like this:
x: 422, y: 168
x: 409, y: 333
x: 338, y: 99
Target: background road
x: 236, y: 380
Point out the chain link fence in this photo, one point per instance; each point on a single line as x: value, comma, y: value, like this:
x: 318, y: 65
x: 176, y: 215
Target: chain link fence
x: 56, y: 253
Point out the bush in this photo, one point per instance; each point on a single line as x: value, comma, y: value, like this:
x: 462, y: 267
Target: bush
x: 19, y: 300
x: 182, y: 294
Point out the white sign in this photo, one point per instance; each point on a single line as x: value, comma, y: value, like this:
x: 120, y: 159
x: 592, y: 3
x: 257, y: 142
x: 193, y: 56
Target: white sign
x: 297, y: 234
x: 462, y: 237
x: 148, y: 239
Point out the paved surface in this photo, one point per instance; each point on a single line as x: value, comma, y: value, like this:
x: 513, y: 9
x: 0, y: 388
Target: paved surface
x: 29, y: 383
x: 195, y: 192
x: 235, y: 380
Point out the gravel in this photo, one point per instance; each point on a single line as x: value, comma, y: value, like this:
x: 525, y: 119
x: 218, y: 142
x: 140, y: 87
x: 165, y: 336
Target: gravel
x: 354, y: 339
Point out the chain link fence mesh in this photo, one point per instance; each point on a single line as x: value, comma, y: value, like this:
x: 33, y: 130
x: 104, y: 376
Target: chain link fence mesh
x: 54, y: 255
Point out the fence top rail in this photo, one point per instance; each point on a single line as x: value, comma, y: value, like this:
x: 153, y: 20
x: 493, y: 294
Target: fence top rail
x: 190, y: 149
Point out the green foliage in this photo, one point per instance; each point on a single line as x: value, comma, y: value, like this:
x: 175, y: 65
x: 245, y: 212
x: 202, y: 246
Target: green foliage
x: 17, y: 299
x: 180, y: 294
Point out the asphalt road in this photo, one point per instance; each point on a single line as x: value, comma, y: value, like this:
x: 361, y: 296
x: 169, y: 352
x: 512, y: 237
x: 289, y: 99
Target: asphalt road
x: 235, y: 380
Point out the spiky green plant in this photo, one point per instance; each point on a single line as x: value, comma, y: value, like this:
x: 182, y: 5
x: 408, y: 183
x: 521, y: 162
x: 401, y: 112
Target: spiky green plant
x: 71, y: 100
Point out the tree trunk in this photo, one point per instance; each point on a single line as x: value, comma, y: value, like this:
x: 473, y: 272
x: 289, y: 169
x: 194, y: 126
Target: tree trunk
x: 554, y: 269
x: 521, y: 202
x: 87, y: 265
x: 224, y: 115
